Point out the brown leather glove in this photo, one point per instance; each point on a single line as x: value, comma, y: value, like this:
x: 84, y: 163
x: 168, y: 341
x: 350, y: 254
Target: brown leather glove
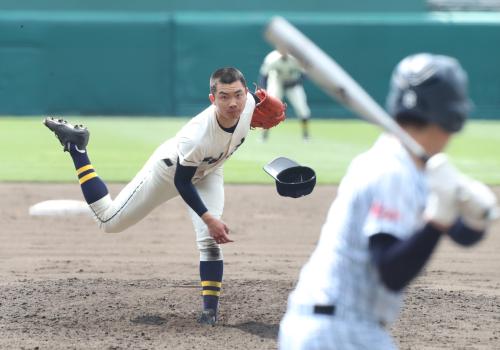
x: 269, y: 112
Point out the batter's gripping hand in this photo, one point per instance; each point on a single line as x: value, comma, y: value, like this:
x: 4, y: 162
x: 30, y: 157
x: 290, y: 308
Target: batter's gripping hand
x: 453, y: 194
x: 444, y: 182
x: 477, y: 204
x: 269, y: 112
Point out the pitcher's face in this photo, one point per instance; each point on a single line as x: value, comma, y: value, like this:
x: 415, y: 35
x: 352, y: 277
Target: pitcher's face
x: 229, y: 101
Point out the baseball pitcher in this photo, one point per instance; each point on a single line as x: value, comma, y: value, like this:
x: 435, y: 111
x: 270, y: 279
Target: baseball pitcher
x: 190, y: 165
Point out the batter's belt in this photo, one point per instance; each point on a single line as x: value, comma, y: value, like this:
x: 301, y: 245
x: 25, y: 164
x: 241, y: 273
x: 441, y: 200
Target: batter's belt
x: 329, y: 310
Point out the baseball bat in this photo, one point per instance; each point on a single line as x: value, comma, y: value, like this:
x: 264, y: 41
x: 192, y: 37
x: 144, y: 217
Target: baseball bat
x: 330, y: 76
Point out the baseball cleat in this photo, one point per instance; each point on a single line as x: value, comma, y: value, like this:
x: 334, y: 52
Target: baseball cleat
x: 208, y: 317
x: 68, y: 133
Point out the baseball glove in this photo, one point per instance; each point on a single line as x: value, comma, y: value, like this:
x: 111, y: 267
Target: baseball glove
x: 269, y: 112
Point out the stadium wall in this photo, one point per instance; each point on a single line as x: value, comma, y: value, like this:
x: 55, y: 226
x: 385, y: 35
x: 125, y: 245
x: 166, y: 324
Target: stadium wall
x: 108, y: 62
x: 381, y: 6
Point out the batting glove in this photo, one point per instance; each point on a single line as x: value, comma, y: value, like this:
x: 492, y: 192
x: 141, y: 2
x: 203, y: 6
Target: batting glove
x: 444, y: 182
x: 477, y: 204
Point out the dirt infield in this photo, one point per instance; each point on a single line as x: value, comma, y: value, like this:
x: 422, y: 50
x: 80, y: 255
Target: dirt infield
x: 66, y: 285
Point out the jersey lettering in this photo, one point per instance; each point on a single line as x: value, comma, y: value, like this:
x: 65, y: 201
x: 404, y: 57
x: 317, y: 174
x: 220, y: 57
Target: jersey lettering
x: 380, y: 212
x: 236, y: 147
x: 211, y: 160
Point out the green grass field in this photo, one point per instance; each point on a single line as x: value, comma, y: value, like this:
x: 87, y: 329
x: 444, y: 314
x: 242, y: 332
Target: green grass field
x: 119, y: 146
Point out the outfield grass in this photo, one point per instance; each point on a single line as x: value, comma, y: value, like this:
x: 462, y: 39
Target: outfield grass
x: 119, y: 146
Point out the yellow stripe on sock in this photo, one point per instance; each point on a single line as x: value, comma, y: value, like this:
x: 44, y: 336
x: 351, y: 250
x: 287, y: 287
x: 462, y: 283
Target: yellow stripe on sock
x: 211, y: 284
x: 87, y: 177
x: 84, y: 168
x: 210, y: 292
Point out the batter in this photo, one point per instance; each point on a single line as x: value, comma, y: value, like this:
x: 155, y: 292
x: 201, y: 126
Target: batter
x: 390, y: 212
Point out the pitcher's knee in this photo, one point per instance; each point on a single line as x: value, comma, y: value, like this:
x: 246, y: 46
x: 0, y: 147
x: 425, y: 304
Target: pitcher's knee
x: 210, y: 253
x: 111, y: 226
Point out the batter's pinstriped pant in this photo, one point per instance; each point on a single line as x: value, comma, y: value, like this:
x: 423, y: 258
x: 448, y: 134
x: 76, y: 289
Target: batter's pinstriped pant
x: 301, y: 331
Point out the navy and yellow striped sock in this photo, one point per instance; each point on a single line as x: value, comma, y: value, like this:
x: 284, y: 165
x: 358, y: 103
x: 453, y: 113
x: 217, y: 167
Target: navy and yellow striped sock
x: 93, y: 187
x: 211, y: 282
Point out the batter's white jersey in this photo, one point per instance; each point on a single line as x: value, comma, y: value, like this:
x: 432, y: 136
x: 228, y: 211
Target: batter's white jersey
x: 201, y: 143
x: 382, y: 192
x: 284, y: 78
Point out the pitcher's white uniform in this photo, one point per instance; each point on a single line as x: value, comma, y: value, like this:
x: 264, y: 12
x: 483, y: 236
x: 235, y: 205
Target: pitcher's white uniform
x: 284, y: 77
x: 383, y: 191
x: 201, y: 143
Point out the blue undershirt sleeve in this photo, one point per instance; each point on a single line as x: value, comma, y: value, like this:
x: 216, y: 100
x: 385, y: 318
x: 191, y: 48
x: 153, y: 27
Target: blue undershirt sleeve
x: 399, y: 261
x: 182, y: 180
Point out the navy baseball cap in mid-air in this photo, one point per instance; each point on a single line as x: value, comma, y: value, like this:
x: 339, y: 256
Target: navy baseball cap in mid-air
x: 292, y: 179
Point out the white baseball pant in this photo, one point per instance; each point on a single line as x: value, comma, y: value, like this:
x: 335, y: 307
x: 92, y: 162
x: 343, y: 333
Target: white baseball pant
x: 306, y: 330
x: 152, y: 186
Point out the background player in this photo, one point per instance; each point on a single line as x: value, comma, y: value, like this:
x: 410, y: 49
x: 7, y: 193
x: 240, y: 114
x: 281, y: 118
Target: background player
x: 282, y: 76
x: 189, y: 165
x: 389, y: 214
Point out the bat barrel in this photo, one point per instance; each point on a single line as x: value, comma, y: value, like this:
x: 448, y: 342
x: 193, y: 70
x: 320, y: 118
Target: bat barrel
x: 330, y: 76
